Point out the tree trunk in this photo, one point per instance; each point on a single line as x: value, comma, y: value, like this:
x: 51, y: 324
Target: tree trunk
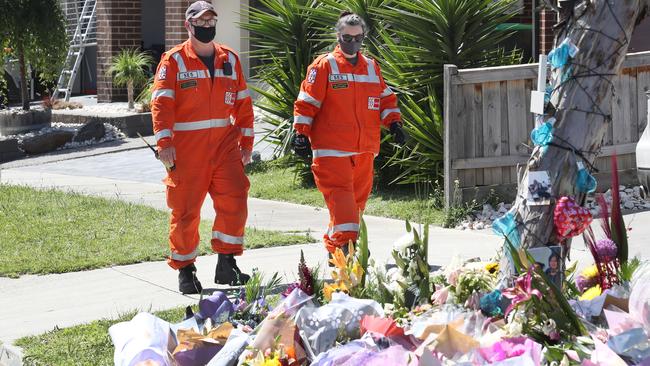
x: 24, y: 92
x: 129, y: 93
x: 601, y: 29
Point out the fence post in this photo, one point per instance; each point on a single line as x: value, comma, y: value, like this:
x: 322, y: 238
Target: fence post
x: 449, y: 72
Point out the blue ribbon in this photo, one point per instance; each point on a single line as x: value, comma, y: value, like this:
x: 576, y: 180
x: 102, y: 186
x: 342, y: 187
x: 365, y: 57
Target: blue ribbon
x: 559, y: 56
x: 585, y: 182
x: 542, y: 135
x: 506, y: 226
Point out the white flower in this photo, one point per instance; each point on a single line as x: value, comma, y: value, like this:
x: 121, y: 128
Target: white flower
x: 549, y: 326
x: 404, y: 242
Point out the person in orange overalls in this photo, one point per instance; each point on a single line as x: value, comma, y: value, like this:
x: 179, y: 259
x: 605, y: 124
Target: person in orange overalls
x: 342, y: 104
x: 203, y: 123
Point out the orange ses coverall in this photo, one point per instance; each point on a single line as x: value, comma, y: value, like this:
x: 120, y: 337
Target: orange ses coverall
x: 341, y: 108
x: 194, y: 113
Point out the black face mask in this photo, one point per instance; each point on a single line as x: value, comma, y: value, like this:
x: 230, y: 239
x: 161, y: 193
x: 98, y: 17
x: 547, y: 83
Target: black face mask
x: 350, y: 48
x: 204, y: 35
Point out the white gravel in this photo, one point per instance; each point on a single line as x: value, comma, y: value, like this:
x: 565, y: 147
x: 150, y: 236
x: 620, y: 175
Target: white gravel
x: 632, y: 199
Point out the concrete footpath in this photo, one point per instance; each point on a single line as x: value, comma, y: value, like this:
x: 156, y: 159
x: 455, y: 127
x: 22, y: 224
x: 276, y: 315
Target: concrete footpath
x: 34, y: 304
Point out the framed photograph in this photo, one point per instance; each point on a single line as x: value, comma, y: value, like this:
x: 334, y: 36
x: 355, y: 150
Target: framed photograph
x: 549, y: 261
x: 538, y: 188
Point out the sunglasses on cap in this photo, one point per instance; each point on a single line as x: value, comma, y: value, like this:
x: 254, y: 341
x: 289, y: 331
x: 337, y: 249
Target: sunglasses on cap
x: 349, y: 38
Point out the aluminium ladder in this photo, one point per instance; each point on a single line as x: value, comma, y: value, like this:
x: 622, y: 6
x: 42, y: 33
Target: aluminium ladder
x: 81, y: 38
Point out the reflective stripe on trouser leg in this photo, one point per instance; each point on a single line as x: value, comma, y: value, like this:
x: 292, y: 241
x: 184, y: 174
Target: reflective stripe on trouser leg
x: 334, y: 179
x: 229, y: 192
x: 185, y: 201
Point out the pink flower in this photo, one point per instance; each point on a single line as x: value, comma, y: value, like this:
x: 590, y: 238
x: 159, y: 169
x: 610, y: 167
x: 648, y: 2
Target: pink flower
x: 521, y: 292
x: 440, y: 297
x: 512, y: 347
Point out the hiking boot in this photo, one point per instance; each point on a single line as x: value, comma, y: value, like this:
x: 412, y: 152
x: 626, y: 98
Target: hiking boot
x: 227, y: 272
x: 187, y: 281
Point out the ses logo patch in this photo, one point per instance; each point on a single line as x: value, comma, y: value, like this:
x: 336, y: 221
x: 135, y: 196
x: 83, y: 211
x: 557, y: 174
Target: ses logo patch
x: 311, y: 78
x: 373, y: 103
x: 162, y: 73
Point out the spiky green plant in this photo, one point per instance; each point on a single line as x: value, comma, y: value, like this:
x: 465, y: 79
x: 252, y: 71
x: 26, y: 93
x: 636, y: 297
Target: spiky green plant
x: 128, y: 68
x: 287, y: 38
x: 423, y: 35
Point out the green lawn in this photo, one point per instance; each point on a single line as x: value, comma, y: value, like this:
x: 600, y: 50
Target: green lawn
x: 48, y: 231
x: 87, y: 344
x: 275, y: 182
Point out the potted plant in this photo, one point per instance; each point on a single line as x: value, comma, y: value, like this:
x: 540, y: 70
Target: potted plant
x: 128, y: 68
x: 32, y: 33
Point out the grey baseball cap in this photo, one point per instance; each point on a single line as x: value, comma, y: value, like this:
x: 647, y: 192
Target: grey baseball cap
x: 197, y: 9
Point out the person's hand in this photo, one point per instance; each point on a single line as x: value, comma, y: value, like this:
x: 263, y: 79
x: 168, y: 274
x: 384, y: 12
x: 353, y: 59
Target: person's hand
x: 301, y: 146
x: 246, y: 156
x: 399, y: 136
x: 167, y: 155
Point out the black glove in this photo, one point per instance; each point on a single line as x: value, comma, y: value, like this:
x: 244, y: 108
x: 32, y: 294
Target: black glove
x: 301, y: 146
x: 399, y: 136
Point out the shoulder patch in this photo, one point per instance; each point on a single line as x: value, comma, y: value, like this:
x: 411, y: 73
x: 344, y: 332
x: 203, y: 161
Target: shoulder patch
x: 311, y: 78
x: 162, y: 73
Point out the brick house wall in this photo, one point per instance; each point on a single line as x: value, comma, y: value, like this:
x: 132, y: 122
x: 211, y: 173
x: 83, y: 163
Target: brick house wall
x: 175, y: 32
x: 118, y: 27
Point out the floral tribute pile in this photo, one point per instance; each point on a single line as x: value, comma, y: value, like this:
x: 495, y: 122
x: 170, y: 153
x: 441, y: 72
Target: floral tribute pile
x: 467, y: 313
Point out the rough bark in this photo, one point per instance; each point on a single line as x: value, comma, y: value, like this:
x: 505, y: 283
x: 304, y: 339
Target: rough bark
x: 600, y: 28
x: 129, y: 92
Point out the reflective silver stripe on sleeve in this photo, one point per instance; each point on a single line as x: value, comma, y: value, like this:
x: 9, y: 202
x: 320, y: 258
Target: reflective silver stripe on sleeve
x: 304, y: 96
x: 323, y: 153
x: 333, y: 65
x: 169, y: 93
x: 162, y: 134
x: 233, y: 62
x: 303, y: 120
x: 249, y: 132
x: 388, y: 91
x: 201, y: 125
x: 179, y: 61
x: 236, y: 240
x: 184, y: 257
x: 386, y: 112
x: 346, y: 227
x: 243, y: 94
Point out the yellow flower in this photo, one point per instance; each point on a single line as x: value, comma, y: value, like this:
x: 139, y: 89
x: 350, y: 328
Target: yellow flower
x: 357, y: 273
x: 338, y: 259
x: 272, y: 362
x: 591, y: 293
x: 328, y: 289
x: 492, y: 267
x: 590, y: 272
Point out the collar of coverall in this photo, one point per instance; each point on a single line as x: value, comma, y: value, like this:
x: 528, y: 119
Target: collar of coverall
x: 189, y: 51
x: 338, y: 54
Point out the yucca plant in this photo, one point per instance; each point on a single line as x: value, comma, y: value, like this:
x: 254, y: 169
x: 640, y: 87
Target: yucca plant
x: 421, y: 159
x: 287, y: 38
x: 423, y: 35
x: 128, y: 68
x: 416, y: 40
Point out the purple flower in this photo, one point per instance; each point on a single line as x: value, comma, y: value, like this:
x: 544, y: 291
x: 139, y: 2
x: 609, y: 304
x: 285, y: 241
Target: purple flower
x: 584, y: 283
x: 606, y: 249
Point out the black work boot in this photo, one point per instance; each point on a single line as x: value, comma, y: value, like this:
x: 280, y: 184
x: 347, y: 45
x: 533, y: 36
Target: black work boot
x: 187, y: 281
x: 227, y: 272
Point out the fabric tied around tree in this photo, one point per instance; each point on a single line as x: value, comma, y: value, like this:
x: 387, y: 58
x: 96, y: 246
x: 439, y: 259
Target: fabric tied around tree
x: 585, y: 182
x: 559, y: 56
x: 507, y: 227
